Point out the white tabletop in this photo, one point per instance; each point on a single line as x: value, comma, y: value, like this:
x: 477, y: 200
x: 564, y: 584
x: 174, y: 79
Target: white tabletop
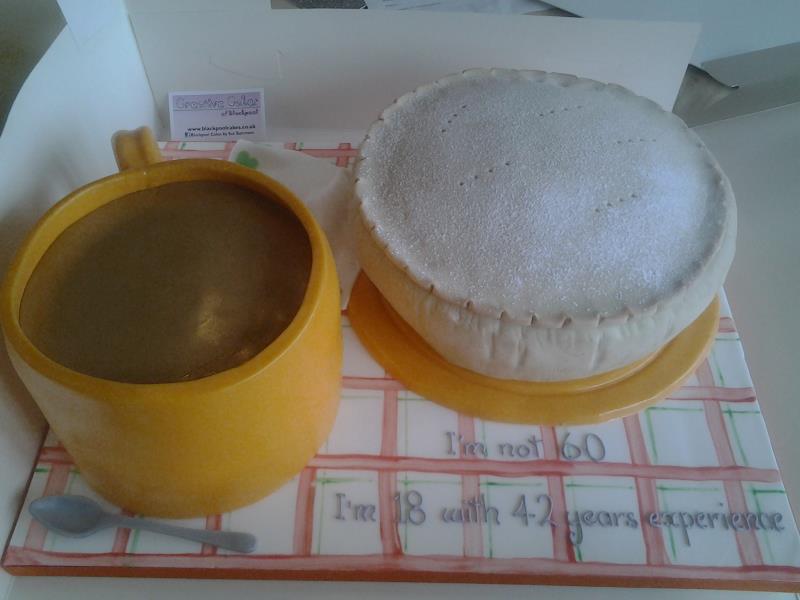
x: 38, y: 588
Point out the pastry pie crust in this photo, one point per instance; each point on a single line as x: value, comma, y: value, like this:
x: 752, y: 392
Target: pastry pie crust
x: 520, y: 340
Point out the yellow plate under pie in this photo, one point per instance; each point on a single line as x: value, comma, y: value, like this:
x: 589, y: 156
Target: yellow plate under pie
x: 407, y: 357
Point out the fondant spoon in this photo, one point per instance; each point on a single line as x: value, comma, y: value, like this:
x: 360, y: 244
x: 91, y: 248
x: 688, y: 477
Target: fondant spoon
x: 79, y: 516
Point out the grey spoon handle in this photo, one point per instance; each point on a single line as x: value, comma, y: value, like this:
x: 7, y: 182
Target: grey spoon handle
x: 230, y: 540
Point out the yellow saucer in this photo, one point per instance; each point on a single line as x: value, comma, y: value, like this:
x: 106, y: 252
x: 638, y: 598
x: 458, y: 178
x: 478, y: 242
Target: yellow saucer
x: 408, y: 358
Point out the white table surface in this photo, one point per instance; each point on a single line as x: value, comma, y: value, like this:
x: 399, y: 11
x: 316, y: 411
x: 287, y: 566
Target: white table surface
x: 761, y: 154
x: 37, y: 588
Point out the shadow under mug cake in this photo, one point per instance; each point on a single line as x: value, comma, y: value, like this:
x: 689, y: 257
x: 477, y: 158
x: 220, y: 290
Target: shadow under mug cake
x: 541, y: 227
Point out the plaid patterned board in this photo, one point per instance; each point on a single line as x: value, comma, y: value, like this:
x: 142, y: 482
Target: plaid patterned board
x: 685, y: 494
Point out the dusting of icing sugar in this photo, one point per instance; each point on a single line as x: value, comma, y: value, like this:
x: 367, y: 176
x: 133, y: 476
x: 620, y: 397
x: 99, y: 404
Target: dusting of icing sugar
x: 540, y: 195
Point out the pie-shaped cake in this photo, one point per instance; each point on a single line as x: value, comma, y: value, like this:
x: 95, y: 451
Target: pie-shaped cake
x: 538, y: 226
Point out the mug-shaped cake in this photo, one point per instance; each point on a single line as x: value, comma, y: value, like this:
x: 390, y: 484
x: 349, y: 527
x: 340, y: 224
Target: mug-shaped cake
x: 165, y: 320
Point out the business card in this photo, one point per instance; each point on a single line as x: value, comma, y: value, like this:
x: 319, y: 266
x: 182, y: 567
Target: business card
x: 217, y: 115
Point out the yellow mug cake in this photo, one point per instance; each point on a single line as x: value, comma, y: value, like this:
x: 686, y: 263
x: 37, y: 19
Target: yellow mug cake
x: 165, y: 320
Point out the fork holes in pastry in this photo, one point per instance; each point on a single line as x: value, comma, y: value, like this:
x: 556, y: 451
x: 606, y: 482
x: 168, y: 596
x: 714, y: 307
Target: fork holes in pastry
x: 560, y: 109
x: 619, y: 200
x: 476, y: 176
x: 634, y: 140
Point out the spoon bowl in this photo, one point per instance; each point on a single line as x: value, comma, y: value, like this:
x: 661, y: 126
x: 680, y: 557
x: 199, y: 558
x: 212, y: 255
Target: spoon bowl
x: 72, y: 516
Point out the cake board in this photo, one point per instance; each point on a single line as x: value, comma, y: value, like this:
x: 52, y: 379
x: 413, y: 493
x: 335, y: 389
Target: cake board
x: 354, y: 512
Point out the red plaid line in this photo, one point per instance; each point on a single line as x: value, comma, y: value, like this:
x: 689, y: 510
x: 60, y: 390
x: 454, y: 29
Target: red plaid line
x: 749, y: 550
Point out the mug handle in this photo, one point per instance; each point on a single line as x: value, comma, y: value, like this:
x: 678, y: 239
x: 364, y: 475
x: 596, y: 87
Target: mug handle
x: 135, y: 149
